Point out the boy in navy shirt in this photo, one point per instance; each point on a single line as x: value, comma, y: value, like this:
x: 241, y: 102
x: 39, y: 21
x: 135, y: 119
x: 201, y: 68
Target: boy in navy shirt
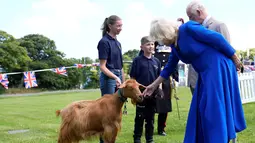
x: 145, y: 69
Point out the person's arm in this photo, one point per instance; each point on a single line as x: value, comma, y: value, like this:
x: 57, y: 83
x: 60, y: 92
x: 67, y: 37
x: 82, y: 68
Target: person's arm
x: 105, y: 70
x: 222, y: 28
x: 103, y: 50
x: 168, y: 69
x: 213, y: 38
x: 157, y: 82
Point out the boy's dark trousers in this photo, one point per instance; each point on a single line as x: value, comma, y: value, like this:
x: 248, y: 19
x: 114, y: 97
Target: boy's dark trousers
x: 145, y: 111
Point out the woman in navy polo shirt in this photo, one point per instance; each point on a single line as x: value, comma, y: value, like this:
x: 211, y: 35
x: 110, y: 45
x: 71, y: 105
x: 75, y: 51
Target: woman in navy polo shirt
x: 110, y: 56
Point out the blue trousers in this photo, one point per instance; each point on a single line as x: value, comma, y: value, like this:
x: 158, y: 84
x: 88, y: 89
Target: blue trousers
x: 108, y: 85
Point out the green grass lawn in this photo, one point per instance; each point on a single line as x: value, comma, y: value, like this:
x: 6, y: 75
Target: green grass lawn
x: 37, y: 113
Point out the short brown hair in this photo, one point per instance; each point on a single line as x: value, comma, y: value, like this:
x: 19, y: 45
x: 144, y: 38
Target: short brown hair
x: 145, y: 40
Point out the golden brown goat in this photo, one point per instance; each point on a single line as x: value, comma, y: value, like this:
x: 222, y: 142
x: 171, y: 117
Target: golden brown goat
x: 82, y: 120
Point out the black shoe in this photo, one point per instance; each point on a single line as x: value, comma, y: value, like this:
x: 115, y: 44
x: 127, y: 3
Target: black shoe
x: 162, y: 133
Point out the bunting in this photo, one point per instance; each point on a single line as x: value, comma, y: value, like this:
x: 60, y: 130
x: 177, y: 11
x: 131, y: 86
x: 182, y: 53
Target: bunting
x: 4, y: 80
x: 79, y: 65
x: 61, y: 71
x: 30, y: 77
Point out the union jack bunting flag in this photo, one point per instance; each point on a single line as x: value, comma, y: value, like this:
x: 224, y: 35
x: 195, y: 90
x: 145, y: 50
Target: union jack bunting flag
x: 61, y: 70
x: 30, y: 79
x: 79, y: 65
x: 4, y: 80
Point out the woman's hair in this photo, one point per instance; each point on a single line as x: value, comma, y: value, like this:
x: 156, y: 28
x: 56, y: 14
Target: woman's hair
x: 109, y: 20
x: 163, y: 29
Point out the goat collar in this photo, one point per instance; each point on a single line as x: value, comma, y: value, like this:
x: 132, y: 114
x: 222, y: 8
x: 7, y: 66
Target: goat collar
x: 120, y: 93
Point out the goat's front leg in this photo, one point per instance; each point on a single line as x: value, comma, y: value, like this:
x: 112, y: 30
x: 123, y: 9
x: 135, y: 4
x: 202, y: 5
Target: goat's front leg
x: 110, y: 134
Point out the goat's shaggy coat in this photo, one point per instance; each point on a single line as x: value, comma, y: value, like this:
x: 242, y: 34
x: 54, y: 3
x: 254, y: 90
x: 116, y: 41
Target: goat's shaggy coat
x: 84, y: 119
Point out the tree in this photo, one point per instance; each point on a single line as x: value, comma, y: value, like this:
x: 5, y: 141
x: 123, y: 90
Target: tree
x: 126, y: 66
x: 40, y: 47
x: 91, y: 74
x: 14, y: 57
x: 97, y: 60
x: 5, y: 37
x: 88, y: 60
x: 132, y: 53
x: 44, y: 55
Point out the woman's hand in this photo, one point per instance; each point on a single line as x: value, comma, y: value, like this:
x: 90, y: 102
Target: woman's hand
x: 149, y: 90
x: 237, y: 62
x: 239, y: 65
x: 118, y: 81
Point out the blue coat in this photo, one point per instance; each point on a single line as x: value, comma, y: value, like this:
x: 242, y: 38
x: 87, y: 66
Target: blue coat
x: 216, y: 112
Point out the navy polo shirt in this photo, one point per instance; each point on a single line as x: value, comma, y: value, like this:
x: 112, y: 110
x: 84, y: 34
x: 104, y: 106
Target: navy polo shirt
x: 109, y: 49
x: 145, y: 70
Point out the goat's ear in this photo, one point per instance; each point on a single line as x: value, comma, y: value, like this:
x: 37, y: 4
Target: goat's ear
x: 122, y: 85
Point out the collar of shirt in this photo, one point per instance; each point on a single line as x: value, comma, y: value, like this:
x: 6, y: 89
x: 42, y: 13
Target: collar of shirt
x: 147, y: 57
x: 110, y: 37
x: 206, y: 19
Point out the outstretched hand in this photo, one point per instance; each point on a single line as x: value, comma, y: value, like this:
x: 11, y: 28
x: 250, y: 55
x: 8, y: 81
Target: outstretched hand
x: 149, y: 90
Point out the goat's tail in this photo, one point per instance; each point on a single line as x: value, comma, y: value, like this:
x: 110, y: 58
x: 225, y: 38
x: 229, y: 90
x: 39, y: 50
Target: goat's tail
x: 58, y: 112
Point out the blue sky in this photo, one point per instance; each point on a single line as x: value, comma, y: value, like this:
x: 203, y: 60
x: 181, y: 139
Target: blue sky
x: 75, y: 24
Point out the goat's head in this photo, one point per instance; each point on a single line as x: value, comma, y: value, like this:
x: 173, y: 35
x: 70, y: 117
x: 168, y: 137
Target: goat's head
x: 131, y: 89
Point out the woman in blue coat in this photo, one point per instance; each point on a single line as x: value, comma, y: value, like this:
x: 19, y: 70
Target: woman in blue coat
x: 216, y: 112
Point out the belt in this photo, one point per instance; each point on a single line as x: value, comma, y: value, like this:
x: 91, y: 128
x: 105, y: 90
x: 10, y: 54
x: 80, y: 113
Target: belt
x: 116, y: 70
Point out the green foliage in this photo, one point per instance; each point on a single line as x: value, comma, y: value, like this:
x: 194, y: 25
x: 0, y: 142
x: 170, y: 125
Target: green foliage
x: 5, y: 37
x: 132, y: 53
x: 126, y: 66
x: 40, y: 47
x: 13, y: 56
x: 91, y: 75
x: 36, y: 52
x: 128, y: 57
x: 244, y: 54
